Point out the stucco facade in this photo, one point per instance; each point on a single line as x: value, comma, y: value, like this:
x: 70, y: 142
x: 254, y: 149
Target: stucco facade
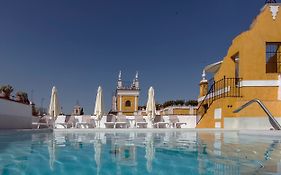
x: 126, y: 99
x: 251, y: 73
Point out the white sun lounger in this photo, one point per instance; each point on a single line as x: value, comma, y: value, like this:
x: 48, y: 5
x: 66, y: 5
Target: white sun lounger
x: 79, y: 123
x: 37, y: 122
x: 175, y: 122
x: 140, y: 122
x: 84, y: 122
x: 71, y: 122
x: 121, y: 122
x: 110, y: 121
x: 162, y: 122
x: 60, y: 122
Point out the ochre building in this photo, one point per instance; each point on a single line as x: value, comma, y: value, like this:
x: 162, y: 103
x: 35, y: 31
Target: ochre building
x: 251, y: 69
x: 126, y: 99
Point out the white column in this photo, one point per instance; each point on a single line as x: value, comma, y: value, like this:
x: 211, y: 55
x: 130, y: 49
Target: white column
x: 120, y: 107
x: 279, y: 88
x: 136, y: 103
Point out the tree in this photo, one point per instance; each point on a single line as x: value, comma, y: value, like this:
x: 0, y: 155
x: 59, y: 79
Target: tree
x: 169, y: 103
x: 191, y: 103
x: 6, y: 90
x: 158, y: 106
x: 82, y: 111
x: 142, y: 107
x: 179, y: 102
x: 22, y: 97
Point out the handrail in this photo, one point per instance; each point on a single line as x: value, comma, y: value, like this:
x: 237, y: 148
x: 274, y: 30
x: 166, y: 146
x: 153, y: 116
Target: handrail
x: 201, y: 104
x: 272, y: 120
x: 226, y: 87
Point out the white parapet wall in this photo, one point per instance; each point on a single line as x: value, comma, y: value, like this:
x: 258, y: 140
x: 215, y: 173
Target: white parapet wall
x: 190, y: 121
x: 15, y: 115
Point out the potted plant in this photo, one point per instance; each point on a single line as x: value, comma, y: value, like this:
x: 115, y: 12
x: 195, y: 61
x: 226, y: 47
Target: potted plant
x: 6, y: 91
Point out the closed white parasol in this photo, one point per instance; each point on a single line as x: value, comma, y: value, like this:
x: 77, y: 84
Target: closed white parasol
x: 150, y: 107
x: 99, y: 110
x: 54, y: 108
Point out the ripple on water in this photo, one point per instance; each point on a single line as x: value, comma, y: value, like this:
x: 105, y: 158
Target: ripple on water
x: 137, y: 153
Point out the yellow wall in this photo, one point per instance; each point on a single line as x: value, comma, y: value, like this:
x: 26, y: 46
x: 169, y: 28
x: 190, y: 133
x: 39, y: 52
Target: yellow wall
x: 181, y: 111
x: 251, y: 47
x: 127, y: 110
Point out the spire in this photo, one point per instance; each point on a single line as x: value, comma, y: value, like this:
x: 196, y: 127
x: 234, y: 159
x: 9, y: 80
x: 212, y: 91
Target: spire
x: 120, y: 75
x: 136, y: 81
x: 137, y: 75
x: 119, y: 82
x: 204, y: 75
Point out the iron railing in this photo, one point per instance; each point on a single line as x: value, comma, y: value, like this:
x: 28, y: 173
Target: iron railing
x: 226, y: 87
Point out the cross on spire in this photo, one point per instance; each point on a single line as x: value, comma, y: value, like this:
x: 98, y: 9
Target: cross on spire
x: 270, y: 1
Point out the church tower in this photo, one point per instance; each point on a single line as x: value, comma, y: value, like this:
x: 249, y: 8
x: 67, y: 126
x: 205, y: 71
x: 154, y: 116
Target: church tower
x: 127, y: 96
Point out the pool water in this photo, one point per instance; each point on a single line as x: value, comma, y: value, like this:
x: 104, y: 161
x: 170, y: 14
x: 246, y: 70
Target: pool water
x: 160, y: 153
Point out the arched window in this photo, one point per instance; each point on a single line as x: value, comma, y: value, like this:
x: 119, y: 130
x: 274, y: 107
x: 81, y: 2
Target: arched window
x: 128, y: 103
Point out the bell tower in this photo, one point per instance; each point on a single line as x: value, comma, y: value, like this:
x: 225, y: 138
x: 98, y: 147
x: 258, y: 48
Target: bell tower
x: 127, y: 96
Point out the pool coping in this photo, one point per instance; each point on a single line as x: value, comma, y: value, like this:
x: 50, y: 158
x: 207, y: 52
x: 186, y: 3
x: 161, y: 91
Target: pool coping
x: 27, y: 130
x: 272, y: 133
x: 142, y: 130
x: 241, y: 132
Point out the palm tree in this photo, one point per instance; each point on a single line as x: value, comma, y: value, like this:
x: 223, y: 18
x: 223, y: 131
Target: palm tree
x: 6, y: 90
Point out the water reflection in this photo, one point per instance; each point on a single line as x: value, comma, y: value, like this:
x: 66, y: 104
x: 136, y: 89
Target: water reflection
x: 149, y: 151
x: 226, y: 153
x: 98, y: 147
x: 51, y: 150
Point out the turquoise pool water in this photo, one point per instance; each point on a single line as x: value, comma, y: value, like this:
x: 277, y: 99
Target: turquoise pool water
x: 160, y: 153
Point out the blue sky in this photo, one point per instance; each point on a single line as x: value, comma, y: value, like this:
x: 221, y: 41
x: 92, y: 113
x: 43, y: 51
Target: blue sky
x: 79, y: 45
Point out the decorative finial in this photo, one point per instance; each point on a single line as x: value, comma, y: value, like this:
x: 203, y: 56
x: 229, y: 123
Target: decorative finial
x: 270, y: 1
x: 274, y: 11
x: 204, y: 75
x: 137, y: 75
x: 120, y: 74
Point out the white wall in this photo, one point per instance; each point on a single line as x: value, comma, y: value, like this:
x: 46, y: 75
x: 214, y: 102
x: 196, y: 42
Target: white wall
x: 260, y: 123
x: 189, y: 119
x: 15, y: 115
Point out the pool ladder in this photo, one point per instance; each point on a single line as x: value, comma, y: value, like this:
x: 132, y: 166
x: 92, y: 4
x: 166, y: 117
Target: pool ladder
x: 272, y: 120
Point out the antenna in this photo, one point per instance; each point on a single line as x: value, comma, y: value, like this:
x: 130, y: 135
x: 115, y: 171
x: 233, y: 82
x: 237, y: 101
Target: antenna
x: 32, y: 92
x: 77, y: 103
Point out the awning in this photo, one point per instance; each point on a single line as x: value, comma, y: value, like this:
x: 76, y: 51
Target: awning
x: 213, y: 68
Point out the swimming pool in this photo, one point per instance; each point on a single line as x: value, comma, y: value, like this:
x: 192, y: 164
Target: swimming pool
x: 140, y: 152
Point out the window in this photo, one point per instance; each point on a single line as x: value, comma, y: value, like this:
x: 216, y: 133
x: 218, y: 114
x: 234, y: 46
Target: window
x: 235, y: 59
x: 128, y: 103
x: 273, y: 57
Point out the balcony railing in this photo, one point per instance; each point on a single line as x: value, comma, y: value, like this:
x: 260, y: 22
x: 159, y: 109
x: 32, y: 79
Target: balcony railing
x: 224, y: 88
